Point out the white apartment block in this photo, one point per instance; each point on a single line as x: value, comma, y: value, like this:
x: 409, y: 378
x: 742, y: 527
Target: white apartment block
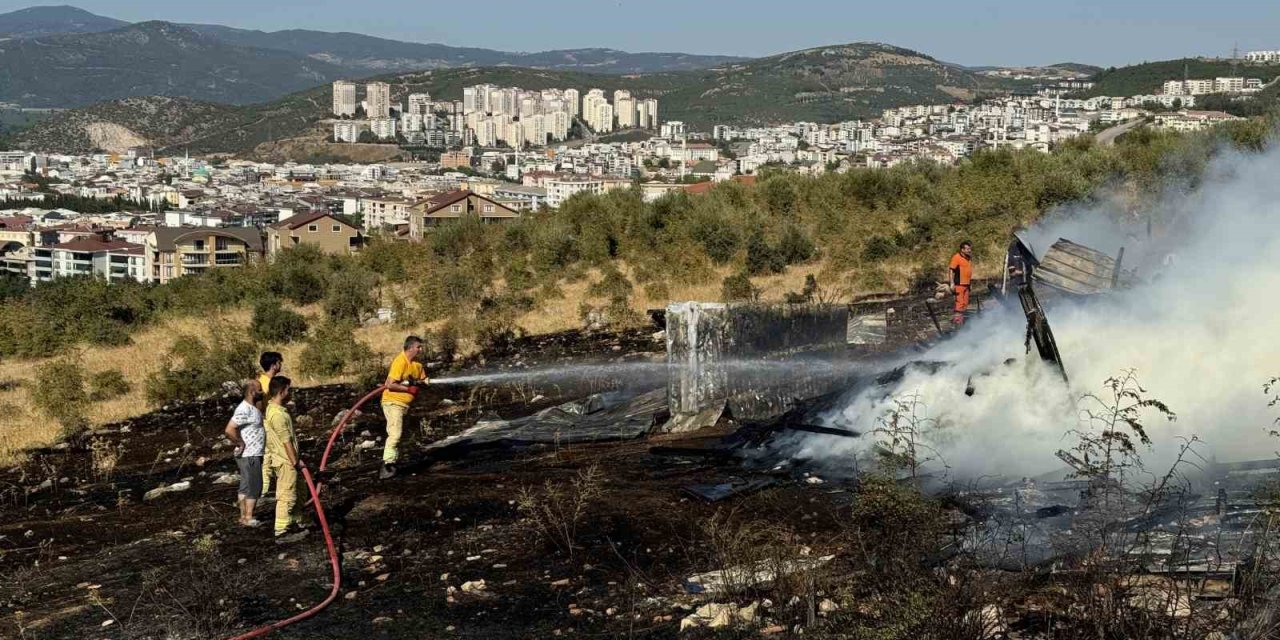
x: 673, y: 129
x: 344, y: 98
x: 647, y: 113
x: 419, y: 104
x: 1204, y: 86
x: 575, y: 102
x: 377, y: 97
x: 383, y: 128
x: 624, y: 107
x: 1192, y: 120
x: 384, y: 211
x: 561, y: 189
x: 349, y: 130
x: 1263, y: 56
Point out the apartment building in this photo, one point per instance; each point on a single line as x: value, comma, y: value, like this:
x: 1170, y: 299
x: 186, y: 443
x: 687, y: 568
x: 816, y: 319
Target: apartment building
x: 344, y: 98
x: 329, y: 233
x: 381, y: 212
x: 175, y: 252
x: 349, y: 130
x: 377, y: 98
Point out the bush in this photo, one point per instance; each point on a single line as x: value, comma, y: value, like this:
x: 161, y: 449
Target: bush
x: 59, y: 393
x: 761, y: 258
x: 351, y: 294
x: 333, y: 351
x: 108, y: 385
x: 273, y: 323
x: 299, y: 274
x: 195, y: 369
x: 738, y: 288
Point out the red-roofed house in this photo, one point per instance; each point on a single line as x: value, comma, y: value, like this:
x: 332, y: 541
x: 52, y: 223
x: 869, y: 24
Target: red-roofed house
x: 453, y: 206
x: 329, y: 232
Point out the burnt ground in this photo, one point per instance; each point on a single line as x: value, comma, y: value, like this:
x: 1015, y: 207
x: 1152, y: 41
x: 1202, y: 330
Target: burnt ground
x: 80, y: 548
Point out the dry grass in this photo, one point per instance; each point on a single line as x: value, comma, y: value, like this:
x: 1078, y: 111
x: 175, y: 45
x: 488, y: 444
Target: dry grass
x: 22, y: 426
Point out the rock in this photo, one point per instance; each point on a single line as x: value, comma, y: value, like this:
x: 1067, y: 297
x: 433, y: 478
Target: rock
x: 473, y: 586
x: 772, y: 630
x: 367, y: 444
x: 749, y: 613
x: 813, y: 480
x: 173, y: 488
x: 444, y: 577
x: 381, y: 620
x: 445, y: 402
x: 107, y: 623
x: 611, y: 611
x: 536, y: 399
x: 691, y: 622
x: 828, y: 606
x: 378, y: 549
x: 722, y: 620
x: 227, y: 478
x: 383, y: 577
x: 351, y: 595
x: 563, y: 582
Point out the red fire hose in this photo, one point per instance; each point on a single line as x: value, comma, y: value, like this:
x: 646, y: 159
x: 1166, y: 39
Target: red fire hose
x: 324, y: 528
x: 333, y: 437
x: 333, y: 561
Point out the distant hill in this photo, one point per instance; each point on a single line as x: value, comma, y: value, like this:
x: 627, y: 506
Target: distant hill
x: 824, y: 84
x: 1149, y: 77
x: 369, y: 54
x: 149, y: 58
x: 1076, y: 67
x: 52, y: 20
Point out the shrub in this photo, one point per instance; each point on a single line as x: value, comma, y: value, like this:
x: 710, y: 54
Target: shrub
x: 761, y: 258
x: 59, y: 393
x: 795, y: 246
x: 273, y: 323
x: 878, y: 248
x: 657, y: 291
x: 443, y: 346
x: 333, y: 351
x: 195, y: 368
x: 351, y: 294
x: 738, y: 288
x: 299, y: 274
x: 108, y: 385
x: 613, y: 286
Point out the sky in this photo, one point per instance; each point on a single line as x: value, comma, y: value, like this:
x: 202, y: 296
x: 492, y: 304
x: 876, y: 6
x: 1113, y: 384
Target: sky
x: 977, y: 32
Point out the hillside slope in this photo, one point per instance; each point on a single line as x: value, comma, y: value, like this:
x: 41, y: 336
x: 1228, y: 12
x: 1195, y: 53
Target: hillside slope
x: 1148, y: 77
x: 825, y: 85
x: 368, y: 54
x: 44, y: 21
x: 149, y: 58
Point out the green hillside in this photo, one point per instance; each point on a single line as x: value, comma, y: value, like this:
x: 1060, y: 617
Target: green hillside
x: 1148, y: 77
x: 826, y: 84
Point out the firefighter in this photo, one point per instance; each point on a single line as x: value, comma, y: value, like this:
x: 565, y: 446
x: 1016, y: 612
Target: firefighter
x: 282, y: 451
x: 961, y: 280
x: 403, y: 380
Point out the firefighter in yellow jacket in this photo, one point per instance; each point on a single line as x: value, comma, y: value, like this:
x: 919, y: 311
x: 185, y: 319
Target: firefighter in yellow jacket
x: 403, y: 380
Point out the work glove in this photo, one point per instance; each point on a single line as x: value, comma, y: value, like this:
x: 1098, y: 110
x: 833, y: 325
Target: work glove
x: 413, y: 390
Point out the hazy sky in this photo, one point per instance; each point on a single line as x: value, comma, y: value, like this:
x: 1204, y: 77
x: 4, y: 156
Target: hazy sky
x: 977, y: 32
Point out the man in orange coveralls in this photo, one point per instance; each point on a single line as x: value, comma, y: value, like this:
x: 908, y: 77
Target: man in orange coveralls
x: 961, y: 269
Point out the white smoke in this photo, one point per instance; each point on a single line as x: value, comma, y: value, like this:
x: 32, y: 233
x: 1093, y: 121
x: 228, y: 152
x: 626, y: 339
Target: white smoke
x: 1201, y: 333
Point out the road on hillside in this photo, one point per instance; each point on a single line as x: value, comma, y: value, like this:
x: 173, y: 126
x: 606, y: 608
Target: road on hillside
x: 1107, y: 137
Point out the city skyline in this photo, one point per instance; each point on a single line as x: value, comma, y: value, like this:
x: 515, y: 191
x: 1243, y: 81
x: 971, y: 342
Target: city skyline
x: 994, y: 33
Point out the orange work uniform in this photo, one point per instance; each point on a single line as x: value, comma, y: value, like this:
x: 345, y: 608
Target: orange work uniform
x: 961, y: 278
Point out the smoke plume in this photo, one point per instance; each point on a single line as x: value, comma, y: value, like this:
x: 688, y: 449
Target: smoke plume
x: 1200, y: 328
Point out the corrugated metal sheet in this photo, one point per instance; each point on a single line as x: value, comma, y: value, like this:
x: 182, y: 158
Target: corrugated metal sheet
x: 1076, y: 268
